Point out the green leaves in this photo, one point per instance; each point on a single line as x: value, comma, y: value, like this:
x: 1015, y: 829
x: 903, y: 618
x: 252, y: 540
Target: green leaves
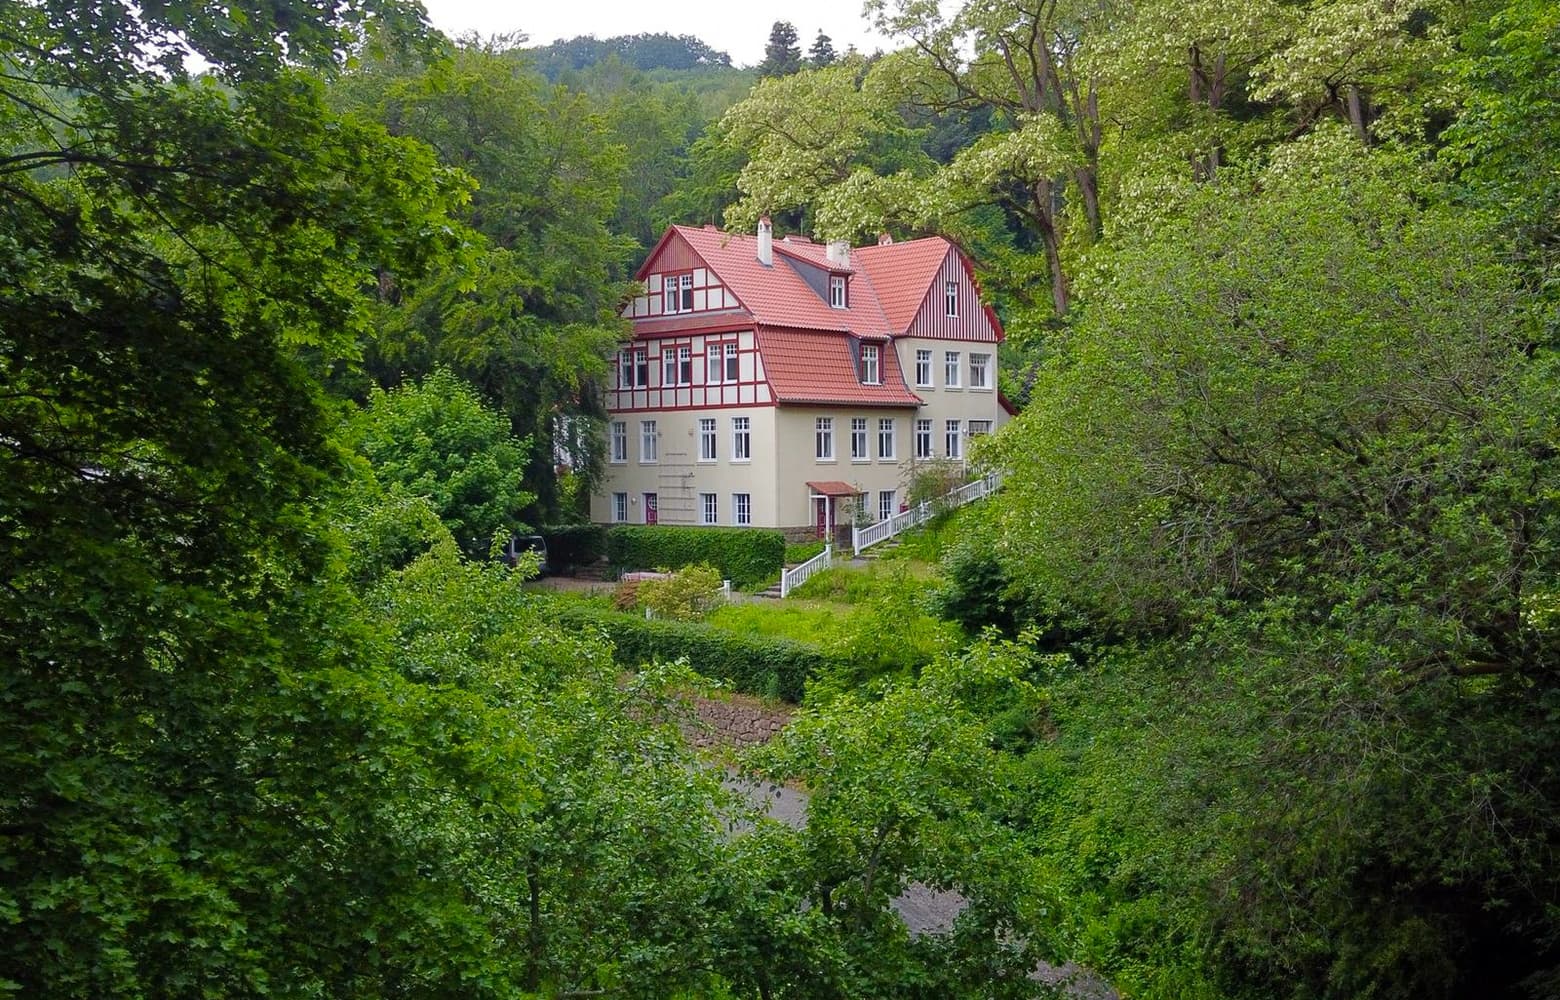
x: 436, y: 439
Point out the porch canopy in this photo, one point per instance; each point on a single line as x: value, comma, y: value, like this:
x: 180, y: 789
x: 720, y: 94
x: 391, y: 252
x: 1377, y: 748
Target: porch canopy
x: 833, y: 488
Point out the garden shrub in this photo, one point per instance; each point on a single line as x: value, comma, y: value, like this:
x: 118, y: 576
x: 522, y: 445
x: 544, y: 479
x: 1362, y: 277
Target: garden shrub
x: 570, y: 545
x: 751, y: 664
x: 800, y: 552
x: 685, y: 596
x: 745, y: 556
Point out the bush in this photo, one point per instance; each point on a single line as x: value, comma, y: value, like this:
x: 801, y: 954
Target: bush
x: 686, y: 596
x: 773, y: 668
x: 800, y: 552
x: 570, y: 545
x: 745, y: 556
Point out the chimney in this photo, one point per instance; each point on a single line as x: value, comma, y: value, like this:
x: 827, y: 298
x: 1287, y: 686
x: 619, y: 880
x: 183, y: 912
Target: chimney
x: 766, y: 231
x: 884, y: 239
x: 839, y: 253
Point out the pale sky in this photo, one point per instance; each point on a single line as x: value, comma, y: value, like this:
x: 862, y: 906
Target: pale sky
x: 733, y: 26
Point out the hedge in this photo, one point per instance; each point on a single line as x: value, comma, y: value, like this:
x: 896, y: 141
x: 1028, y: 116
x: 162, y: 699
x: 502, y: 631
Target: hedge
x: 575, y: 544
x: 745, y: 556
x: 776, y: 668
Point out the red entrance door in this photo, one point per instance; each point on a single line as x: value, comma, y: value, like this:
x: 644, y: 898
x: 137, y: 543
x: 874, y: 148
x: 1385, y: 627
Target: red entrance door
x: 650, y: 511
x: 821, y: 508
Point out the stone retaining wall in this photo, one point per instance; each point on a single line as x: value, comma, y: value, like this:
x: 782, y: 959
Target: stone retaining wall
x: 734, y: 722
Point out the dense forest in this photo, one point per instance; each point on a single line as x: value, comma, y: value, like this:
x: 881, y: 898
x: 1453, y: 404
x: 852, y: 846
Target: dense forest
x: 1246, y: 685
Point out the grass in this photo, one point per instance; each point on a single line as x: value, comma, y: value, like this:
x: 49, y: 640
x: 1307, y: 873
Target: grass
x: 800, y: 552
x: 858, y: 585
x: 800, y: 621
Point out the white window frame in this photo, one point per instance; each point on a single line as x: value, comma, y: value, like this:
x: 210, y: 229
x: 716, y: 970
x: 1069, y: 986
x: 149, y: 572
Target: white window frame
x: 707, y: 445
x: 923, y: 438
x: 885, y: 504
x: 619, y: 437
x: 741, y: 439
x: 619, y: 508
x: 641, y: 368
x: 979, y: 428
x: 823, y: 439
x: 980, y: 371
x: 677, y: 294
x: 871, y: 365
x: 837, y: 291
x: 951, y: 361
x: 648, y: 446
x: 709, y: 508
x: 951, y: 298
x: 742, y: 508
x: 888, y: 442
x: 858, y: 440
x: 923, y: 369
x: 712, y: 364
x: 953, y: 438
x: 733, y: 363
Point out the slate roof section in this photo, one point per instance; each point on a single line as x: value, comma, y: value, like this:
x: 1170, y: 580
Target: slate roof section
x: 807, y: 366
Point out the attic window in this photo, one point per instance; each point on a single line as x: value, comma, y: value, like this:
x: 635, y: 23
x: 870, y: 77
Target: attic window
x: 951, y: 298
x: 678, y: 293
x: 837, y: 291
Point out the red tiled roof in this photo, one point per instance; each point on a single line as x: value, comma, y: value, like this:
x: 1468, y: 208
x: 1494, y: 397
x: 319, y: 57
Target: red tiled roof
x: 901, y: 274
x: 776, y: 295
x: 834, y: 488
x: 806, y: 366
x: 680, y: 324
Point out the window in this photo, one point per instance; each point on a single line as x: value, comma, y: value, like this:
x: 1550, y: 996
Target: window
x: 741, y: 439
x: 979, y: 427
x: 741, y: 508
x: 858, y: 440
x: 712, y: 364
x: 951, y: 369
x: 923, y: 439
x: 706, y: 439
x: 885, y: 504
x: 647, y: 440
x: 619, y: 441
x: 633, y: 369
x: 837, y: 291
x: 678, y: 293
x: 953, y: 440
x: 823, y: 438
x: 951, y: 298
x: 709, y: 511
x: 886, y: 437
x: 723, y: 362
x: 923, y: 368
x: 980, y: 371
x: 676, y: 366
x: 620, y: 507
x: 870, y: 374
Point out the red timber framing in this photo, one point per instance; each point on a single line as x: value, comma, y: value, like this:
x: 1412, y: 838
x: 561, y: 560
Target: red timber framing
x: 735, y: 379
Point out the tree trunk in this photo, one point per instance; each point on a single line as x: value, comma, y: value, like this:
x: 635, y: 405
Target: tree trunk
x: 1045, y: 218
x: 1357, y: 114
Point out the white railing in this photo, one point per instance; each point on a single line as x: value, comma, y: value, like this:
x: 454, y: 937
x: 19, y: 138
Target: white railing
x: 882, y: 531
x: 790, y: 579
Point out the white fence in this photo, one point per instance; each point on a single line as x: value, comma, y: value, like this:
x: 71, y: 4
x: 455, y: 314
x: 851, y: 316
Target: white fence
x: 790, y: 579
x: 864, y: 538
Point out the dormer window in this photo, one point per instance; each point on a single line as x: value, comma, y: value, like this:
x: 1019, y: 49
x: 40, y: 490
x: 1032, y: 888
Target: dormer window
x: 870, y: 373
x: 837, y: 291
